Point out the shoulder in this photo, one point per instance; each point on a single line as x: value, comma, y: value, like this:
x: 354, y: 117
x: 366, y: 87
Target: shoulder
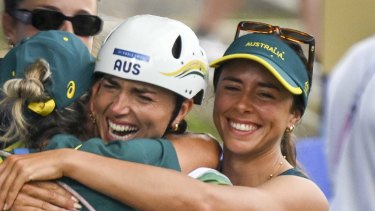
x: 305, y: 194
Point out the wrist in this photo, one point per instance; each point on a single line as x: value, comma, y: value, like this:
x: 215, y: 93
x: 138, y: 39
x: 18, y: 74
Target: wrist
x: 69, y: 164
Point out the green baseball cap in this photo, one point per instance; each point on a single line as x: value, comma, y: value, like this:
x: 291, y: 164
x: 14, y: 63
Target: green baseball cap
x: 276, y: 56
x: 70, y: 61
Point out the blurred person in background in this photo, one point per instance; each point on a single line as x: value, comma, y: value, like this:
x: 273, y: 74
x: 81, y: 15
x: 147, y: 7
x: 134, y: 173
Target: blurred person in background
x: 350, y: 128
x: 24, y: 18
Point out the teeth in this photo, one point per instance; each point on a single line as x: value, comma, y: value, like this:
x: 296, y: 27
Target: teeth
x: 117, y: 137
x: 243, y: 127
x: 121, y: 132
x: 121, y: 128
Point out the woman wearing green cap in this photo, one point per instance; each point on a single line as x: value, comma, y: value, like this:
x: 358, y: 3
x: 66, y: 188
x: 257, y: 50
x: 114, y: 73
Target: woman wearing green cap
x: 262, y: 87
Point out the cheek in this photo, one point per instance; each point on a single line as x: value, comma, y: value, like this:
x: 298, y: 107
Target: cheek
x: 279, y: 116
x: 221, y: 105
x: 100, y: 102
x: 155, y: 120
x: 24, y: 31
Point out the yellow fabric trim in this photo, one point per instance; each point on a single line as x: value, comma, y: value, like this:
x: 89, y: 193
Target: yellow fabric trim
x: 77, y: 147
x: 18, y: 144
x: 42, y: 108
x: 290, y: 88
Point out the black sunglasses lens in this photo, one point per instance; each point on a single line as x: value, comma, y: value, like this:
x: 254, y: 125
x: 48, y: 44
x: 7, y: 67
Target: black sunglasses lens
x: 86, y: 25
x: 47, y: 20
x: 83, y: 25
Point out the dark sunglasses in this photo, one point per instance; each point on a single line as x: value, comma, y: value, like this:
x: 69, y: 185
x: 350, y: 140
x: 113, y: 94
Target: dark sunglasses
x: 42, y: 19
x: 285, y: 33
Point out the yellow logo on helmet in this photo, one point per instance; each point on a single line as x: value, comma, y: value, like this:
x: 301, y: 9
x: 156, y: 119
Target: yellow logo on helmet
x: 194, y: 65
x: 71, y: 89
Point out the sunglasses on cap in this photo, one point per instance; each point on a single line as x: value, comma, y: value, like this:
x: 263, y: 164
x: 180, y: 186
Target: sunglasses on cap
x: 285, y: 33
x: 42, y: 19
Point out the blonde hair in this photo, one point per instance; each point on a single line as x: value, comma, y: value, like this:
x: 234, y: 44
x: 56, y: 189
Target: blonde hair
x: 17, y: 94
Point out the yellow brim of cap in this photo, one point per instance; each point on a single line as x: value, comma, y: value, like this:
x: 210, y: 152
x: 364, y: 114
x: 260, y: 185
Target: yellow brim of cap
x: 288, y: 86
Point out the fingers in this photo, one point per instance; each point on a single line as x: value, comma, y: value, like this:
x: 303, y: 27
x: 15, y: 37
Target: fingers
x: 52, y: 193
x: 26, y: 202
x: 9, y: 188
x: 19, y: 169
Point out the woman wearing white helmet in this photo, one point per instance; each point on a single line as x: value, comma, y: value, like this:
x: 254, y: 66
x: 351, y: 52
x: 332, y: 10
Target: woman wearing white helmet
x: 153, y: 52
x: 142, y: 90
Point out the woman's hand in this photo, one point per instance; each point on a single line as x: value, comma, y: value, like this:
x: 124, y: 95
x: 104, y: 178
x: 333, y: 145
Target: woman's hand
x: 44, y: 196
x: 17, y: 170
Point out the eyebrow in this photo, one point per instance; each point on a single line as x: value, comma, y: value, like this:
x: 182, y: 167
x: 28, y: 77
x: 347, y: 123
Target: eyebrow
x: 143, y: 89
x: 269, y: 85
x: 261, y: 84
x: 231, y: 78
x: 110, y: 79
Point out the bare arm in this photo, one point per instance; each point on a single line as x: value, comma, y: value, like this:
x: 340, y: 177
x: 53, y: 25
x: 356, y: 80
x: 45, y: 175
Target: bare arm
x: 196, y: 150
x: 149, y: 188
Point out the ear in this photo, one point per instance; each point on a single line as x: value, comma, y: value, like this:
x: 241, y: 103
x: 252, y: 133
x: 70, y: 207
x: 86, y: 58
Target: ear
x: 186, y: 106
x: 9, y: 28
x: 94, y: 91
x: 295, y: 117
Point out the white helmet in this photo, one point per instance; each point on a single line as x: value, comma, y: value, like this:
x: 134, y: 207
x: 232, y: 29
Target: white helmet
x: 158, y: 51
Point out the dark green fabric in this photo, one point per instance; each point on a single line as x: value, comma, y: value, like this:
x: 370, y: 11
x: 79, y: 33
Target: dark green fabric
x: 156, y: 152
x: 295, y: 172
x: 70, y: 63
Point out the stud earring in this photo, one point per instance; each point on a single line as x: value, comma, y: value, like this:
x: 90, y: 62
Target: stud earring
x: 289, y: 129
x: 92, y: 118
x: 175, y: 127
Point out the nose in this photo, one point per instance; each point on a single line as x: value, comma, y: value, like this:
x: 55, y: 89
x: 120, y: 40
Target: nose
x: 120, y: 105
x: 244, y: 103
x: 67, y: 26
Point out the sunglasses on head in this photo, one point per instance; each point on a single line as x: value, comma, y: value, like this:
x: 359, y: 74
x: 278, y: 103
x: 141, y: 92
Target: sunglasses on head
x: 285, y: 33
x: 42, y: 19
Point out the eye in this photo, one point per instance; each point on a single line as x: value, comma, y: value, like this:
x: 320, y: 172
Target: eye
x: 108, y: 84
x: 267, y: 95
x: 145, y: 98
x: 231, y: 88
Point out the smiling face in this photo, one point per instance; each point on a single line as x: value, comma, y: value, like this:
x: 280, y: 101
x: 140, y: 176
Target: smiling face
x: 126, y: 109
x: 252, y: 109
x: 16, y: 30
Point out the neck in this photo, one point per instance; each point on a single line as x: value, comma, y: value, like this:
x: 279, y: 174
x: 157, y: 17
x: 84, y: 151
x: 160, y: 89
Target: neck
x: 253, y: 171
